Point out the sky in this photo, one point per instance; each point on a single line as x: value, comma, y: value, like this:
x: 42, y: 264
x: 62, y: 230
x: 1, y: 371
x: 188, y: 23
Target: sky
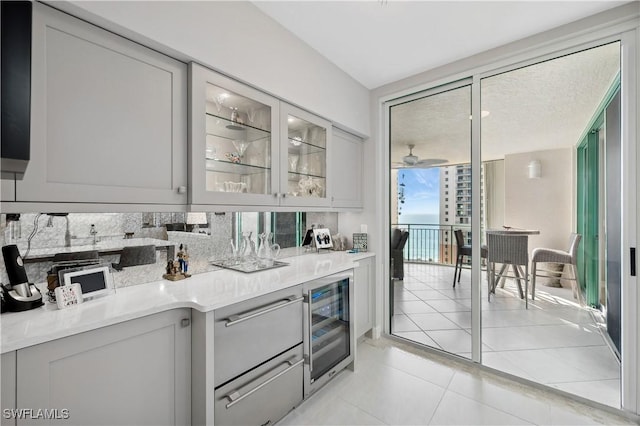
x: 421, y: 191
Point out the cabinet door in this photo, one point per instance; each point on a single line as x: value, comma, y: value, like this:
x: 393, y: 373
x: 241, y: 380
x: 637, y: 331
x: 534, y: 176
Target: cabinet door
x: 108, y: 120
x: 306, y: 172
x: 234, y: 142
x: 8, y: 390
x: 347, y: 156
x: 365, y: 296
x: 132, y: 373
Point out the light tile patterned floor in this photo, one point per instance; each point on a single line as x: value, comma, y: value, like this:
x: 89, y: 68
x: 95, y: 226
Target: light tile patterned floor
x: 554, y: 342
x: 395, y: 384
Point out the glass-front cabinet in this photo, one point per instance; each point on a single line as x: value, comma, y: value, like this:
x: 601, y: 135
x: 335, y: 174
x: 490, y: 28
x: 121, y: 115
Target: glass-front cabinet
x: 234, y: 142
x: 304, y: 180
x: 250, y: 149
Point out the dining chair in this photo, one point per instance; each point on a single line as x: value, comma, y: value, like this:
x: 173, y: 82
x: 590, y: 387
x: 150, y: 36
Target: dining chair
x: 462, y: 251
x: 509, y: 250
x: 569, y: 257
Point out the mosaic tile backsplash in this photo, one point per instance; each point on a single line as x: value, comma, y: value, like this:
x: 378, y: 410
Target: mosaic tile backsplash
x: 49, y: 238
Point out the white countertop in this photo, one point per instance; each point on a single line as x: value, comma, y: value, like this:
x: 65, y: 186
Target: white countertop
x: 204, y: 292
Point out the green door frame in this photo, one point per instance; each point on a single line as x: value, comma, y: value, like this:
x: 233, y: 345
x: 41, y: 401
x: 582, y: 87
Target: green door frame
x: 588, y: 220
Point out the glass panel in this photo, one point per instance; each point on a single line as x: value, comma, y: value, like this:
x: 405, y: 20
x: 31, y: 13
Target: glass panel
x: 543, y: 133
x: 430, y: 203
x: 306, y: 158
x: 329, y: 326
x: 238, y: 150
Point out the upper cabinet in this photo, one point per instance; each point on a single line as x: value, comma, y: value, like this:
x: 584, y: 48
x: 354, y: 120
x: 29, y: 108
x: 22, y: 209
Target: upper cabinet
x: 249, y: 149
x: 109, y: 118
x: 347, y: 159
x: 305, y: 167
x: 234, y: 142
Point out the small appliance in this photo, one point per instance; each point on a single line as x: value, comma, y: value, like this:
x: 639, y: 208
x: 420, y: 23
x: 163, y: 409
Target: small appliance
x: 19, y: 294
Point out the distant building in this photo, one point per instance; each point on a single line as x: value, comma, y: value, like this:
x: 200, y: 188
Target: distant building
x: 455, y: 207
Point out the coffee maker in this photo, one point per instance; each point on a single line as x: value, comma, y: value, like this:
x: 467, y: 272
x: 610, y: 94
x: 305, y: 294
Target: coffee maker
x: 19, y: 294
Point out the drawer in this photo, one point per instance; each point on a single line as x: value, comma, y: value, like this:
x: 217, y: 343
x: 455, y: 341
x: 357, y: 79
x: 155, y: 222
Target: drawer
x: 263, y: 395
x: 249, y: 333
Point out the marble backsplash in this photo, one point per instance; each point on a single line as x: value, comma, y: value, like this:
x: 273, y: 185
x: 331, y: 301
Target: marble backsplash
x: 49, y: 232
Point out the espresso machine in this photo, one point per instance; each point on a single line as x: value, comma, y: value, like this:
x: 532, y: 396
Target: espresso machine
x: 19, y: 294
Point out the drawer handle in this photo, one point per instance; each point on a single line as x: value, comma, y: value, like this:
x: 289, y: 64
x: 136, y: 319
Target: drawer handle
x: 235, y: 396
x: 237, y: 319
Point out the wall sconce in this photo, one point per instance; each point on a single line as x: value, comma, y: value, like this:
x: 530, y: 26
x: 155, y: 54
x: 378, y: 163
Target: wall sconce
x: 535, y: 169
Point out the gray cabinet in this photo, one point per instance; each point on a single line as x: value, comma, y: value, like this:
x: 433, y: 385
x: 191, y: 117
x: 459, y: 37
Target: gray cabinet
x: 108, y: 121
x: 247, y: 363
x: 136, y: 372
x: 250, y: 149
x: 347, y: 156
x: 8, y: 387
x: 364, y: 278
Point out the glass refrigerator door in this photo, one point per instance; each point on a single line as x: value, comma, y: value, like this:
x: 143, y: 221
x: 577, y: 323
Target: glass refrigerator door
x: 329, y: 326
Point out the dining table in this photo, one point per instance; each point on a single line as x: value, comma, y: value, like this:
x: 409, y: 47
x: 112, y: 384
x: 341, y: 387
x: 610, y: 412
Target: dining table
x: 518, y: 273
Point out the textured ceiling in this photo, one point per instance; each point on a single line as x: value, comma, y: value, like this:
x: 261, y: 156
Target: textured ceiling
x: 543, y: 106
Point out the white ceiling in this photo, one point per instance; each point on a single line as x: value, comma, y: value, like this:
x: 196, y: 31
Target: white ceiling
x: 378, y: 42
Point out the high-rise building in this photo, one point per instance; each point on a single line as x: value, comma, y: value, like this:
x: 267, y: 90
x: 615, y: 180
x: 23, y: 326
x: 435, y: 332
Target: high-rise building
x: 455, y: 207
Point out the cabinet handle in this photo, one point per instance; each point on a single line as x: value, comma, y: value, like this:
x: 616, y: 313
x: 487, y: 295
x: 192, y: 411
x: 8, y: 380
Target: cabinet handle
x: 185, y: 322
x: 235, y: 397
x: 182, y: 189
x: 284, y: 194
x: 236, y: 319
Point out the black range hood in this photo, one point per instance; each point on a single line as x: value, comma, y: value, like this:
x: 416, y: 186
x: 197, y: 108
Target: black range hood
x: 16, y: 18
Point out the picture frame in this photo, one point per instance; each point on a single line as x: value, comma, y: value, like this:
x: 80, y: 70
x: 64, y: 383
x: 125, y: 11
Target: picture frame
x: 322, y: 238
x: 95, y: 281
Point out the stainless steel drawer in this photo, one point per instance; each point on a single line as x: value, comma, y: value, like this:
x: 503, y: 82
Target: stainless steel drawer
x: 263, y: 395
x: 249, y: 333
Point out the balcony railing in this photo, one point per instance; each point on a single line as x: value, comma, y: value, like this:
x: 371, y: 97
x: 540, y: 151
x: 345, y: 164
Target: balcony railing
x: 432, y: 243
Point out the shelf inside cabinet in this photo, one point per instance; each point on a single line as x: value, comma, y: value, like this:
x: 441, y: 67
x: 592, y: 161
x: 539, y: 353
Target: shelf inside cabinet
x: 296, y: 176
x: 223, y: 166
x: 300, y: 147
x: 227, y: 129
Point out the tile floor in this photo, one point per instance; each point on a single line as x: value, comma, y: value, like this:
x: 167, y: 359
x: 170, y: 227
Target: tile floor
x: 554, y: 342
x: 396, y: 384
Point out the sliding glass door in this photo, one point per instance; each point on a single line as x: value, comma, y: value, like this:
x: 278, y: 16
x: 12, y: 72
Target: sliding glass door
x: 545, y: 158
x: 430, y: 135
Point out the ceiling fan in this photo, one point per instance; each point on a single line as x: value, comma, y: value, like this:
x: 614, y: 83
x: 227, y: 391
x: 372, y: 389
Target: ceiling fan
x: 413, y: 160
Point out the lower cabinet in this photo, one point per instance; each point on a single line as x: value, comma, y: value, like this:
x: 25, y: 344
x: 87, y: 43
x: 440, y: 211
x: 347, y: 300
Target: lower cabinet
x: 8, y: 389
x: 364, y: 278
x: 132, y: 373
x: 258, y: 359
x: 264, y: 394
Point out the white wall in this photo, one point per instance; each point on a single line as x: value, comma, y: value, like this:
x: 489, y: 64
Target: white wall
x: 239, y: 40
x: 544, y: 203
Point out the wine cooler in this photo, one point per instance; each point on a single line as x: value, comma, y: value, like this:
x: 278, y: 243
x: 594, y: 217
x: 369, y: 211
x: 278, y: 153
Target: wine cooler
x: 328, y: 329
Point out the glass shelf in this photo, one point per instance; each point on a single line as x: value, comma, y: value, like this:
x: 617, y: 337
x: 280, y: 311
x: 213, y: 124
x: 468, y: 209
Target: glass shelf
x: 223, y: 166
x: 296, y: 176
x: 227, y: 129
x: 300, y: 147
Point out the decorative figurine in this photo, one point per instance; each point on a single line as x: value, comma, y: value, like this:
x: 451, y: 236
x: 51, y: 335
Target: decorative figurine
x: 177, y: 268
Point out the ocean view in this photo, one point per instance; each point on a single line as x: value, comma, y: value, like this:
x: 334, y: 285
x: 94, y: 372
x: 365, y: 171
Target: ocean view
x: 424, y: 236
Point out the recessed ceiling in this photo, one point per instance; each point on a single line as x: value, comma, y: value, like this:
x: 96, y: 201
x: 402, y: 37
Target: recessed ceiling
x: 378, y: 42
